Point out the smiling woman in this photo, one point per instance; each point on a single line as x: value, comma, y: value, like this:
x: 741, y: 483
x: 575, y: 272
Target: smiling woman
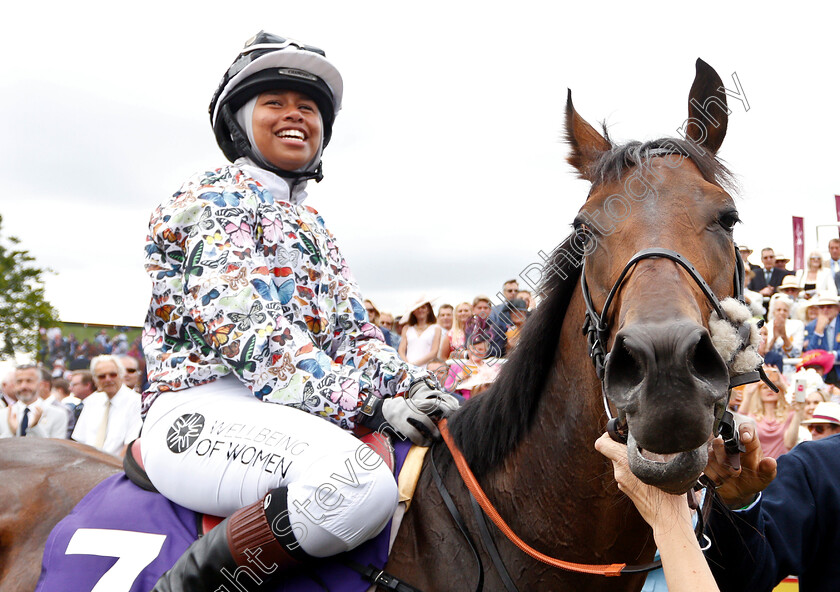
x: 287, y: 128
x: 253, y: 303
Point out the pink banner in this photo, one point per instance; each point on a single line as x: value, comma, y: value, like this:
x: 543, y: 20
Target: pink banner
x: 799, y: 242
x: 837, y: 207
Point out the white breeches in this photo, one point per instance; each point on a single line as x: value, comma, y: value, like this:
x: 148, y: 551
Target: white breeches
x: 216, y: 448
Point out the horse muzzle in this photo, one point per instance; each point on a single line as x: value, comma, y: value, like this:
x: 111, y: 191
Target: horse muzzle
x: 667, y: 379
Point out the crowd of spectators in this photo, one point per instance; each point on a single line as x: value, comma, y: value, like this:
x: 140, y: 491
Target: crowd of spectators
x: 800, y: 344
x: 465, y: 345
x: 99, y: 406
x: 63, y: 353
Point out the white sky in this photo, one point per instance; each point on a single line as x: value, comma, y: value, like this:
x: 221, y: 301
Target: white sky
x: 445, y: 174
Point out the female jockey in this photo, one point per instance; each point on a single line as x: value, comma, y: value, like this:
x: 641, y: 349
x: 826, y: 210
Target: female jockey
x: 254, y: 304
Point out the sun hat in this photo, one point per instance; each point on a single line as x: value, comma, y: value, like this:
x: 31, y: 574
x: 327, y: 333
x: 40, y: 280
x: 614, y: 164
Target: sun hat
x: 421, y: 301
x: 745, y: 249
x: 781, y: 257
x: 818, y: 358
x: 789, y: 282
x: 826, y: 412
x: 824, y: 299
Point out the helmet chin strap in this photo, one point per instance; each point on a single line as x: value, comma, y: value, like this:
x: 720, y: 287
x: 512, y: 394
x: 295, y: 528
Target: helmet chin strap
x: 243, y: 145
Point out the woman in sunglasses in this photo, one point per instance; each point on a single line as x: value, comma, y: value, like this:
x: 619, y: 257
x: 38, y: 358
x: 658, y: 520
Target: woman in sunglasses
x: 254, y: 304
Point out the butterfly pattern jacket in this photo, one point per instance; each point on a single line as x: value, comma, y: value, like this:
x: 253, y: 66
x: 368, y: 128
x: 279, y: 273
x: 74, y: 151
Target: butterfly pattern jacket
x: 248, y: 284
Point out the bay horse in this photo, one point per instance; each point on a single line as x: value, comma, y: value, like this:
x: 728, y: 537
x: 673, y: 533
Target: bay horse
x: 530, y: 438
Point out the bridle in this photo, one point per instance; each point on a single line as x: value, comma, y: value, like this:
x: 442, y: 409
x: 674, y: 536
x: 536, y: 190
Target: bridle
x: 596, y: 328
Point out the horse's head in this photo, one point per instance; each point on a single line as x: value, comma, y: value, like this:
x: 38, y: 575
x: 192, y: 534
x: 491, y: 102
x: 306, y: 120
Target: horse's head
x: 663, y: 372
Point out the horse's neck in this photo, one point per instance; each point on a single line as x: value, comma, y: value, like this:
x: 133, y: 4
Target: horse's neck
x: 556, y: 472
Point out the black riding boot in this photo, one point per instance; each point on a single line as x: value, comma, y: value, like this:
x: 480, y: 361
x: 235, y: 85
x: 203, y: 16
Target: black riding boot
x: 242, y: 552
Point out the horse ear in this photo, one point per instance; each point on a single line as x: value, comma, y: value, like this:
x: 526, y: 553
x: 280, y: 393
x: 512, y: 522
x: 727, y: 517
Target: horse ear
x: 708, y: 115
x: 587, y: 144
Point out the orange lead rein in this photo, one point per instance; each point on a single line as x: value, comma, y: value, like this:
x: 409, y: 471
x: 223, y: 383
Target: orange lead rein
x: 613, y: 569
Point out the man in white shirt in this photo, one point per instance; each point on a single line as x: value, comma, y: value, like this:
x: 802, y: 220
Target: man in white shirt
x: 110, y: 419
x: 30, y: 416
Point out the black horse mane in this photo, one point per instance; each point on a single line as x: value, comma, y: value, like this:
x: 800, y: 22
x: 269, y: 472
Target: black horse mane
x: 489, y: 427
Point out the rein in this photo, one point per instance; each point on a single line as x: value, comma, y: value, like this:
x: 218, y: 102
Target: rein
x: 596, y: 329
x: 608, y: 570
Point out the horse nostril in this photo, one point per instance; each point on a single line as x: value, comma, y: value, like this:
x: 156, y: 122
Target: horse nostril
x: 624, y: 372
x: 705, y: 359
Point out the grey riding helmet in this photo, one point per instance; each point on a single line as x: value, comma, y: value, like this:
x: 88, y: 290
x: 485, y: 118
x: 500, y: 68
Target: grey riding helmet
x: 269, y: 62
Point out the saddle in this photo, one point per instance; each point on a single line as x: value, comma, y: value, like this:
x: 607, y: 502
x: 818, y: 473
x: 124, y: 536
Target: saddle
x: 125, y: 518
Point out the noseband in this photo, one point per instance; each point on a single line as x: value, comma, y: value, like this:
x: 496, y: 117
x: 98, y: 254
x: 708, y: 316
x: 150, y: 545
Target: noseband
x: 596, y: 328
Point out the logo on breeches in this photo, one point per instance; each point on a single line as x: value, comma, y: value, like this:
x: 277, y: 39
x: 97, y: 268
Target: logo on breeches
x: 184, y: 432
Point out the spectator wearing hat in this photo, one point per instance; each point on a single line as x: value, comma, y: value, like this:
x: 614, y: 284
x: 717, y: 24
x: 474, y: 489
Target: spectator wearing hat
x: 420, y: 338
x: 790, y: 288
x: 818, y: 360
x: 745, y: 252
x: 822, y: 333
x: 518, y: 314
x: 815, y: 279
x: 825, y: 421
x: 782, y: 262
x: 812, y: 399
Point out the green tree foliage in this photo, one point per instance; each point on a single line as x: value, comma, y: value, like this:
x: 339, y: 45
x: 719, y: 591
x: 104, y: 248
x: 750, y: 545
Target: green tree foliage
x: 23, y: 307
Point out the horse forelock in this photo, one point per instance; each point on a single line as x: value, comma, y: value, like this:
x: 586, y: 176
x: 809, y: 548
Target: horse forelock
x: 490, y: 426
x: 614, y: 163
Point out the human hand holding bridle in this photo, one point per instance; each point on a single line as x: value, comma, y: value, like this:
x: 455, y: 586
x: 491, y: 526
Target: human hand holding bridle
x: 739, y: 487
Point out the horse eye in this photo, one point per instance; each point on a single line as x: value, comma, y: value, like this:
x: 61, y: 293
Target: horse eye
x: 583, y: 232
x: 729, y: 220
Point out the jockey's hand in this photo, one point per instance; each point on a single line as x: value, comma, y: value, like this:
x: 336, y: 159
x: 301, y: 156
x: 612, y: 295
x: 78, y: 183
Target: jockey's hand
x: 738, y: 488
x: 412, y: 416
